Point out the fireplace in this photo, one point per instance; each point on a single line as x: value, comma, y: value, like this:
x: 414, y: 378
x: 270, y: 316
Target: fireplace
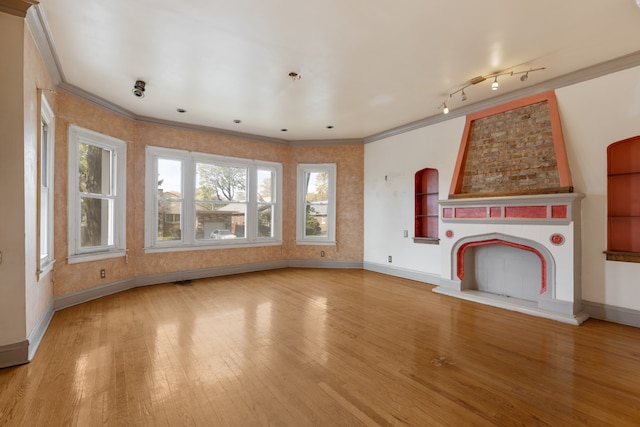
x: 545, y: 228
x: 511, y: 225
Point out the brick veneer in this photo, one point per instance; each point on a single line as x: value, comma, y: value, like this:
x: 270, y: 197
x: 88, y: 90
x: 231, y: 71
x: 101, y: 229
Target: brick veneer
x: 515, y: 148
x: 511, y: 151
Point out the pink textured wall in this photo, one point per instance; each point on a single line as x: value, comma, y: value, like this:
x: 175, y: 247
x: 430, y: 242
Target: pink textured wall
x: 76, y: 277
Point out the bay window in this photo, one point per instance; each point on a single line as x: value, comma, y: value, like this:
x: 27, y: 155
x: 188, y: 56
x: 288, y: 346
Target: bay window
x: 198, y: 200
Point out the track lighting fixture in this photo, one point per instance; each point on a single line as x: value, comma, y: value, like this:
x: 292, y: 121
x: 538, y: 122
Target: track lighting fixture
x: 138, y: 88
x: 494, y: 86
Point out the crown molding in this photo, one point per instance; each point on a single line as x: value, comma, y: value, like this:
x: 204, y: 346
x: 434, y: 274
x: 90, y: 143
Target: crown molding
x: 323, y: 142
x: 37, y: 24
x: 582, y: 75
x: 16, y: 7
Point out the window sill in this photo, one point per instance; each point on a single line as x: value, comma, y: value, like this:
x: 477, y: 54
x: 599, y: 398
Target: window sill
x: 622, y: 256
x: 45, y: 270
x: 317, y: 242
x: 427, y: 240
x: 96, y: 256
x: 205, y: 247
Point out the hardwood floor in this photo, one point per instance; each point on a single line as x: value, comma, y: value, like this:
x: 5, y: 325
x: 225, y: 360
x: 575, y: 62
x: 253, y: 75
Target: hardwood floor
x: 299, y: 347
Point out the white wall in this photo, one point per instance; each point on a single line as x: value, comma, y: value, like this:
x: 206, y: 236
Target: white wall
x: 594, y: 114
x: 389, y: 204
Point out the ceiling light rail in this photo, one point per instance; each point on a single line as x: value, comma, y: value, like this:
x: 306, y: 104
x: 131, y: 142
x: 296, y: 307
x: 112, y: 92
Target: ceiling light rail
x: 524, y: 75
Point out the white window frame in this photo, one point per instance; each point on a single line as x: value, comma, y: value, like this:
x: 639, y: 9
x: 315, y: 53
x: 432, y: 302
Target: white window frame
x: 188, y: 239
x: 46, y: 163
x: 330, y: 238
x: 118, y: 148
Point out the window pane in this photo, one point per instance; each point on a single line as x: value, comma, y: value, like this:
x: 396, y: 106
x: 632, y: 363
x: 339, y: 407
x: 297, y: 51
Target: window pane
x: 96, y: 222
x: 317, y: 187
x: 44, y: 223
x: 316, y: 220
x: 265, y: 221
x: 220, y: 183
x: 169, y: 179
x: 265, y: 185
x: 169, y: 225
x: 94, y: 169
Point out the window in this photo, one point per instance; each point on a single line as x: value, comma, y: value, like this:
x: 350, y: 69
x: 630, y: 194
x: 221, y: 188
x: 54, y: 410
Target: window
x: 316, y: 219
x: 97, y: 196
x: 426, y: 207
x: 197, y: 200
x: 45, y: 194
x: 623, y: 200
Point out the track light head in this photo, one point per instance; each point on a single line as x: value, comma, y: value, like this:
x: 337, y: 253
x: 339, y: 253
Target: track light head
x: 495, y: 85
x: 524, y: 77
x: 138, y: 88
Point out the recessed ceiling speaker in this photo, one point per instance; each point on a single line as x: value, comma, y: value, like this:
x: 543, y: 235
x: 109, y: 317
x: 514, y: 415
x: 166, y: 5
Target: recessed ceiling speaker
x: 138, y: 88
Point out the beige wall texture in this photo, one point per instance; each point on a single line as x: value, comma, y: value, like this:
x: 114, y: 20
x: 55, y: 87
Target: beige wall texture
x: 82, y: 276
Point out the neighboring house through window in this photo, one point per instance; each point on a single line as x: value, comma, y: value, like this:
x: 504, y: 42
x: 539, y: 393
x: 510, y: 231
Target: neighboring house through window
x: 97, y: 196
x: 45, y: 192
x: 198, y: 200
x: 316, y: 207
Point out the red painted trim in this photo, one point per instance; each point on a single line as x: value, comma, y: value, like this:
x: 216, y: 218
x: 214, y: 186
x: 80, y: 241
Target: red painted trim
x: 464, y: 247
x: 525, y: 211
x: 556, y: 130
x: 471, y: 212
x: 495, y: 212
x: 447, y: 212
x: 458, y: 171
x: 562, y: 160
x: 559, y: 211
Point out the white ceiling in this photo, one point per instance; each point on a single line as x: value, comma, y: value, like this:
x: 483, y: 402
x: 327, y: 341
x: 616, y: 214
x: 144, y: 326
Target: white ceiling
x: 366, y: 66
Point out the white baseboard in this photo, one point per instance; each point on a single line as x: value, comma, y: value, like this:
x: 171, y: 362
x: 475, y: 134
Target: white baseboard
x: 14, y: 354
x: 610, y: 313
x: 418, y: 276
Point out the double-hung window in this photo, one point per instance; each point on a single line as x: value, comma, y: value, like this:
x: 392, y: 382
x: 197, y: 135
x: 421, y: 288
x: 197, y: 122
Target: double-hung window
x: 316, y: 207
x: 45, y: 195
x: 198, y: 200
x: 97, y: 196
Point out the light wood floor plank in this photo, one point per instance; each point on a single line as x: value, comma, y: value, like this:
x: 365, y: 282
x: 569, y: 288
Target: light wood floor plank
x: 305, y: 347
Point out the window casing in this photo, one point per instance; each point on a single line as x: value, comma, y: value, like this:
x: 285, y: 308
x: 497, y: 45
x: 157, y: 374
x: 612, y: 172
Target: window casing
x: 45, y: 191
x: 198, y: 200
x: 316, y: 204
x: 97, y: 196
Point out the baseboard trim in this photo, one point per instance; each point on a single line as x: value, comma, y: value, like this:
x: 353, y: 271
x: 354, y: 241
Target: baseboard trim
x: 14, y: 354
x: 37, y: 333
x: 315, y: 263
x: 610, y: 313
x: 418, y: 276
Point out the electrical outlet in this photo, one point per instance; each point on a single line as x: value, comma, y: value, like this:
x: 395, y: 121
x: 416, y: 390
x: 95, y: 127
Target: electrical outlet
x: 103, y: 273
x: 406, y: 233
x: 322, y: 253
x: 389, y: 258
